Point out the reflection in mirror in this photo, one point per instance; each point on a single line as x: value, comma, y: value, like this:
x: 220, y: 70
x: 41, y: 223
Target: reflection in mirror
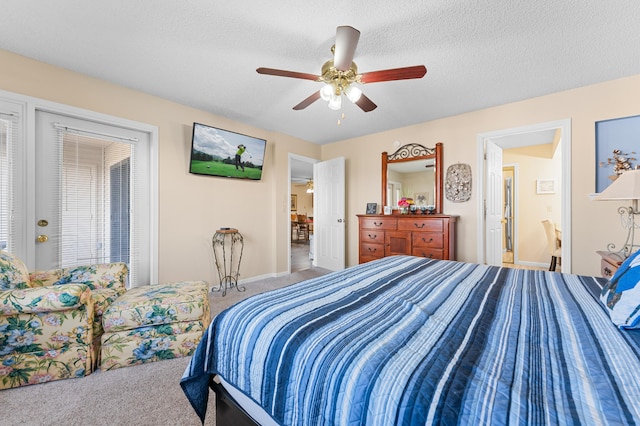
x: 415, y: 179
x: 413, y: 171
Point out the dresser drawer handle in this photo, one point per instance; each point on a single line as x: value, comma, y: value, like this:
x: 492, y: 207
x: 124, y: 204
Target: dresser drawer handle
x: 378, y: 223
x: 430, y: 255
x: 419, y: 227
x: 425, y: 240
x: 372, y: 237
x: 372, y: 250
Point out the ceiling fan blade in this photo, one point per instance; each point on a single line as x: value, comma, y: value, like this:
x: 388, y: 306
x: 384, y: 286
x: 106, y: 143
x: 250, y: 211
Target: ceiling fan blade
x: 405, y: 73
x: 346, y: 42
x: 311, y: 99
x: 283, y: 73
x: 365, y: 103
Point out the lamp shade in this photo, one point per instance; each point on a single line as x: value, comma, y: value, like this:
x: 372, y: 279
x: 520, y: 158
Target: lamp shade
x: 353, y: 93
x: 625, y: 187
x: 326, y: 92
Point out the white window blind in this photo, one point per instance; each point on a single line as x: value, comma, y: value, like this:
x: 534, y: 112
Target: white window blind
x: 9, y: 205
x: 95, y: 197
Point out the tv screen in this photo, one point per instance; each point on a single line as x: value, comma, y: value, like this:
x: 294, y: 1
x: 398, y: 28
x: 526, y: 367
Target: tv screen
x: 217, y: 152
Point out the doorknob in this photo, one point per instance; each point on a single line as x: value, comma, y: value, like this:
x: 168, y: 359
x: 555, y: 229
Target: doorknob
x: 42, y: 222
x: 42, y: 238
x: 339, y: 220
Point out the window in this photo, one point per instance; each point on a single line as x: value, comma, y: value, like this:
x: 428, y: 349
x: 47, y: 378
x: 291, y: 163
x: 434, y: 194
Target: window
x: 85, y: 181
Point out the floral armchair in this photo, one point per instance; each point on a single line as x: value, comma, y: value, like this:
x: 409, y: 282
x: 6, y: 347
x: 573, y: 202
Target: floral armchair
x: 50, y: 321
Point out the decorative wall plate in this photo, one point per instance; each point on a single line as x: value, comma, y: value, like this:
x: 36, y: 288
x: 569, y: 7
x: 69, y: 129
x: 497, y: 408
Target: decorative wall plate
x: 457, y: 185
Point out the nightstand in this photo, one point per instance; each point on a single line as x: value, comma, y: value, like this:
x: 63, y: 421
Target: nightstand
x: 610, y: 263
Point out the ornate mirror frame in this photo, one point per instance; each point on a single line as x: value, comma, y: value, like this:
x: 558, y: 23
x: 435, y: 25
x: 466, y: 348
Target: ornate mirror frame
x: 412, y: 152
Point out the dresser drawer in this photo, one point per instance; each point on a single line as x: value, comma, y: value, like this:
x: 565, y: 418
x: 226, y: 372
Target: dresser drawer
x: 378, y: 223
x: 607, y: 270
x: 421, y: 224
x: 371, y: 251
x: 372, y: 236
x: 428, y: 252
x: 609, y: 263
x: 428, y: 239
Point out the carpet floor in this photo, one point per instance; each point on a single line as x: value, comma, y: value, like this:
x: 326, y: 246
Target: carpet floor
x: 148, y: 394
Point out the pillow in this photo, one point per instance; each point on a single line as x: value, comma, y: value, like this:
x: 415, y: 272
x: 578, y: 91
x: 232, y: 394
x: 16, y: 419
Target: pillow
x: 621, y: 294
x: 13, y: 272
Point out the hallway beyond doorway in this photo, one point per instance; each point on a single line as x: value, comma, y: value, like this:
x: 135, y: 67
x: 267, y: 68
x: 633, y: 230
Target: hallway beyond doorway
x: 300, y: 259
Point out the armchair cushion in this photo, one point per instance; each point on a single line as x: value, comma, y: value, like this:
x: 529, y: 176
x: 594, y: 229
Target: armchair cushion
x: 44, y: 299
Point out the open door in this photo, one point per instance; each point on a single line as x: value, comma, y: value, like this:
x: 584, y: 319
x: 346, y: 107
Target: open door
x: 493, y: 205
x: 329, y: 223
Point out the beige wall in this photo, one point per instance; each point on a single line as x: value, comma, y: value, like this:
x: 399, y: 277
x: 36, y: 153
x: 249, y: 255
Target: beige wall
x: 192, y: 207
x: 594, y: 224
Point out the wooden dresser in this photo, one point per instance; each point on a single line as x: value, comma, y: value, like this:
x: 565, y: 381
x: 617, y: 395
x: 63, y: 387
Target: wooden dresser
x: 430, y: 236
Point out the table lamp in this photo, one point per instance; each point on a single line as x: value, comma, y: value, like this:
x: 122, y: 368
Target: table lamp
x: 625, y: 187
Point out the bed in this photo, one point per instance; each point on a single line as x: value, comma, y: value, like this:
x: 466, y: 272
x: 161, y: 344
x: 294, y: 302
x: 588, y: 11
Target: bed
x: 407, y: 340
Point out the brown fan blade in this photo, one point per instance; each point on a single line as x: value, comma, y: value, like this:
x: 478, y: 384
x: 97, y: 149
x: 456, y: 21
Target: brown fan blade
x: 346, y: 42
x: 311, y: 99
x: 283, y: 73
x: 365, y: 103
x: 405, y: 73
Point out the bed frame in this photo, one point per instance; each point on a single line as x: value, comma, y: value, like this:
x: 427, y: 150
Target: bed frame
x: 228, y: 412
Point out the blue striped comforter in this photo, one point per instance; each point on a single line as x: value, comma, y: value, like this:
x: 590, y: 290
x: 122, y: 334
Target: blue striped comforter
x: 411, y: 341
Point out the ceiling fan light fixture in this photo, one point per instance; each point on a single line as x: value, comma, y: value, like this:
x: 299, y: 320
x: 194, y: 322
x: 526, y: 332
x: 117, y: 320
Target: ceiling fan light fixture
x: 335, y: 103
x: 353, y: 93
x: 326, y: 92
x: 310, y: 187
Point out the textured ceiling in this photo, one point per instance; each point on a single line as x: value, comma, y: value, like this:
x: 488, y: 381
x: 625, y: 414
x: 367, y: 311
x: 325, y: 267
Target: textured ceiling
x: 479, y: 53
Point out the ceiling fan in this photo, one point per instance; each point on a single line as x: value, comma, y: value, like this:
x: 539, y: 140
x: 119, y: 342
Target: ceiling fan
x: 340, y: 74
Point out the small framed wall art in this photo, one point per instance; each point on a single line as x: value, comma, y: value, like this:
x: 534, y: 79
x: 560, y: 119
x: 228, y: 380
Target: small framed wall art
x: 545, y: 186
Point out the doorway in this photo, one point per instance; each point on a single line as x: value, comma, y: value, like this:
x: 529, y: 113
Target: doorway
x: 301, y: 229
x: 515, y: 138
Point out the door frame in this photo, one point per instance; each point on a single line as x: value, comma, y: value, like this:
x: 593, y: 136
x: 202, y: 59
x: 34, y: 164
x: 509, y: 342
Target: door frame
x: 565, y: 126
x: 30, y: 105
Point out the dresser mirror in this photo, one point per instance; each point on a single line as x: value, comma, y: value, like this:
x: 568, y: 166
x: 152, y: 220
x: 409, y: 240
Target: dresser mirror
x: 413, y: 171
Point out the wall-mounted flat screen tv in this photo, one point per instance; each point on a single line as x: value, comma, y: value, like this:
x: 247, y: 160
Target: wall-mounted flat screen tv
x: 218, y: 152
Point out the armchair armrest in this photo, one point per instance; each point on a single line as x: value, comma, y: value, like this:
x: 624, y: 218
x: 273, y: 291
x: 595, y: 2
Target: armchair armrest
x: 45, y: 299
x: 106, y: 275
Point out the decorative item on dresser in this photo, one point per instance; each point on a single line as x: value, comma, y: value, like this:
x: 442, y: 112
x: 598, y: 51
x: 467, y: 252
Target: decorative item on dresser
x: 431, y: 236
